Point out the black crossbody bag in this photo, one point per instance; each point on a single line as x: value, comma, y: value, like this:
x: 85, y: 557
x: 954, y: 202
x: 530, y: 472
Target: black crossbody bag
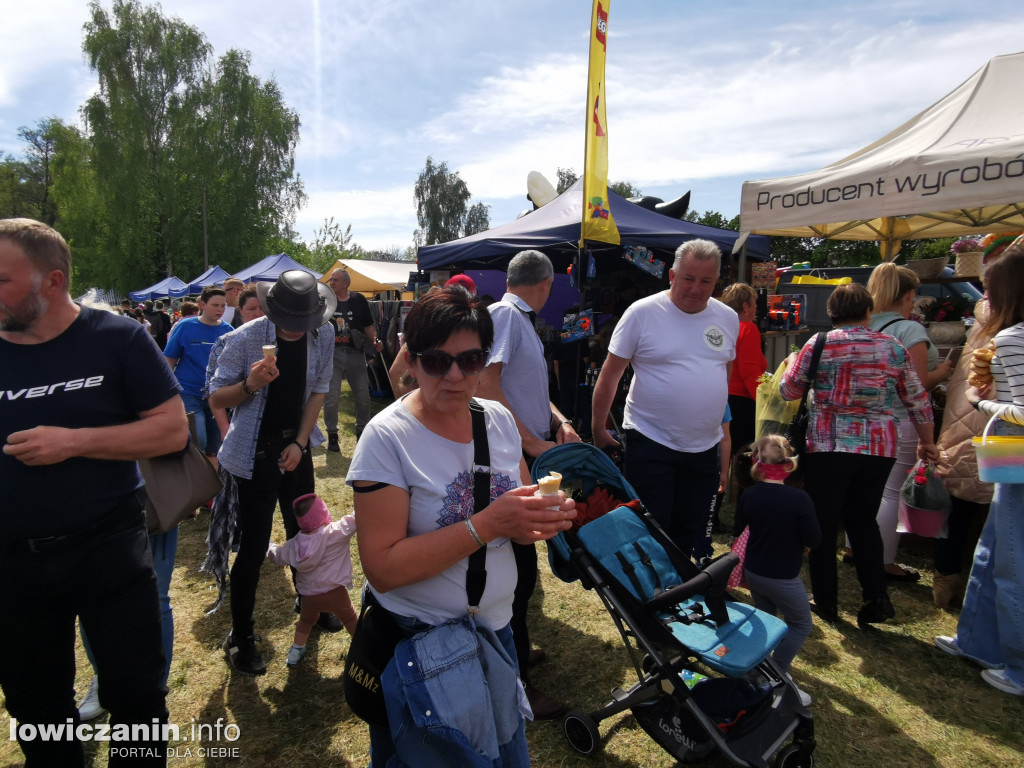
x: 377, y: 633
x: 797, y: 434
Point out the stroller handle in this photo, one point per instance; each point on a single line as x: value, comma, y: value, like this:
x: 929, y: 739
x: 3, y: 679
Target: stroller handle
x: 712, y: 579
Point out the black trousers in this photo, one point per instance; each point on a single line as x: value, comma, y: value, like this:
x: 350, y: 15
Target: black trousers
x: 105, y: 579
x: 741, y: 428
x: 949, y: 552
x: 257, y: 498
x: 846, y: 488
x: 677, y: 488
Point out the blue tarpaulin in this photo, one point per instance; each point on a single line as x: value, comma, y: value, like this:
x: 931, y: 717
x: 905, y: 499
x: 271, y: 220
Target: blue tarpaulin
x: 555, y: 230
x: 213, y: 276
x: 160, y: 290
x: 270, y: 267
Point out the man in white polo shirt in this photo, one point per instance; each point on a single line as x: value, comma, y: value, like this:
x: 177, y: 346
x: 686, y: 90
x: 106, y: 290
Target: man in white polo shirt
x: 681, y: 343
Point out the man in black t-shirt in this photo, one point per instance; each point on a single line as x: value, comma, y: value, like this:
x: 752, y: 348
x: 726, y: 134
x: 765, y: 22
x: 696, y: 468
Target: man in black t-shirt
x: 352, y: 314
x: 83, y: 394
x: 164, y: 327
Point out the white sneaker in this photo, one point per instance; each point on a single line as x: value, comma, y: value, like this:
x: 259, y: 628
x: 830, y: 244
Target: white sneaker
x: 90, y: 708
x: 948, y: 644
x: 997, y: 679
x: 295, y: 654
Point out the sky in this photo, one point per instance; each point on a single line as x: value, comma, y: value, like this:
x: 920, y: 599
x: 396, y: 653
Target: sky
x: 700, y: 96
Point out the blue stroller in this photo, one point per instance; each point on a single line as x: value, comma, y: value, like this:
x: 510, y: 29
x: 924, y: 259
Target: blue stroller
x: 705, y: 682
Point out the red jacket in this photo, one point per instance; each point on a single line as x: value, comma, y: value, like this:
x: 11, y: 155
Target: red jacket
x: 750, y: 362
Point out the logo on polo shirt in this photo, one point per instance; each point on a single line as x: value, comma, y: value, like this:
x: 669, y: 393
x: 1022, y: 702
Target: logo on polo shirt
x: 714, y: 337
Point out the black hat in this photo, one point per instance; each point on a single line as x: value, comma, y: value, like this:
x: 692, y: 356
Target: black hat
x: 297, y: 302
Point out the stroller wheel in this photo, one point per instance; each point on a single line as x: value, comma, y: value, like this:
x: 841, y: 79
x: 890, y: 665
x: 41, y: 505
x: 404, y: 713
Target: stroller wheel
x: 792, y: 756
x: 581, y: 732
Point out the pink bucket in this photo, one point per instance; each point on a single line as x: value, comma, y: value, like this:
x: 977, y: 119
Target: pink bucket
x: 922, y: 522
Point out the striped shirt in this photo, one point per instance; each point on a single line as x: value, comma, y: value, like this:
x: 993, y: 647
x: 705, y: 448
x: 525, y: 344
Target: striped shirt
x: 862, y: 376
x: 1008, y: 372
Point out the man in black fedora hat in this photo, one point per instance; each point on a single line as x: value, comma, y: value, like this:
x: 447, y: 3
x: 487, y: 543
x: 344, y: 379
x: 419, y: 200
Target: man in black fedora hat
x: 273, y: 373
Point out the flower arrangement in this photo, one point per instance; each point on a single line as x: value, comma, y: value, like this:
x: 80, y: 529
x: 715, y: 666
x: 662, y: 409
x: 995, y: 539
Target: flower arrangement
x: 921, y: 473
x: 966, y: 245
x: 947, y: 308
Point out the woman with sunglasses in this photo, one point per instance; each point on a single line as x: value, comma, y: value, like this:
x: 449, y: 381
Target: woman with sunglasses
x: 412, y: 478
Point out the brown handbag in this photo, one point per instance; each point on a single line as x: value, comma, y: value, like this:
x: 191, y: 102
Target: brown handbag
x: 176, y: 485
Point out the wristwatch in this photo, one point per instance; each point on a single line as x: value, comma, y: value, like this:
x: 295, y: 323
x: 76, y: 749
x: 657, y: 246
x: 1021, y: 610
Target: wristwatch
x: 302, y: 450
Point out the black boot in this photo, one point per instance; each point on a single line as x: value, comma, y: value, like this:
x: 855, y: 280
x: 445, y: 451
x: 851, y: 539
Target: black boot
x: 332, y: 442
x: 242, y: 655
x: 875, y: 611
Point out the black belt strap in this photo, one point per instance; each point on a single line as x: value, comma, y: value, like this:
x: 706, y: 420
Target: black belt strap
x: 627, y: 568
x: 476, y: 574
x: 646, y: 560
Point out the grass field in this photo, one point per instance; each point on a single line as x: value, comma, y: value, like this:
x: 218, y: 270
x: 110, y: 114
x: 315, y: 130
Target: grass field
x: 883, y: 697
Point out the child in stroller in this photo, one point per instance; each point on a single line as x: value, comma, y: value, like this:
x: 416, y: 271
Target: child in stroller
x: 705, y: 679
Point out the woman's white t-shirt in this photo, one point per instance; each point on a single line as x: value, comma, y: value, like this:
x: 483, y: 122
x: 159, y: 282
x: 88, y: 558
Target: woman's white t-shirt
x: 395, y: 448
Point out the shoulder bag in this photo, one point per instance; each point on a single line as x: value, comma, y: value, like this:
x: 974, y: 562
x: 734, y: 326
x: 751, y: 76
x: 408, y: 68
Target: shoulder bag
x: 177, y: 484
x: 797, y: 434
x: 377, y: 633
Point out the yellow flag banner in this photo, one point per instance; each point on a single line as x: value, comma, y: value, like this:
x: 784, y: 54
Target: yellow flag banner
x: 598, y: 222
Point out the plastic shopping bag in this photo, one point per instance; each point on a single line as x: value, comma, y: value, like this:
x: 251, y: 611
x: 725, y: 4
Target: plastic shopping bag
x: 736, y: 578
x: 924, y: 503
x: 772, y: 413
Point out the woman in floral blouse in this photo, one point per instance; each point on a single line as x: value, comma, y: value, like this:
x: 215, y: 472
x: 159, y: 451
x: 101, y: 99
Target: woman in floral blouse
x: 852, y: 441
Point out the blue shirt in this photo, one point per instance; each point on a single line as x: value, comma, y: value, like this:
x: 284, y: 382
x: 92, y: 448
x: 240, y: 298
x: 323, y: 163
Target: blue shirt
x: 243, y: 347
x: 524, y: 372
x: 190, y: 344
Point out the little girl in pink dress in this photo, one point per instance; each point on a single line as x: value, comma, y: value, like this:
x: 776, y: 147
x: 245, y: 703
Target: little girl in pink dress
x: 320, y: 555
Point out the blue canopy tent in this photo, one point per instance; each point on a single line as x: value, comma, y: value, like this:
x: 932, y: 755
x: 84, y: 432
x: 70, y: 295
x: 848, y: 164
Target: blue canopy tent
x: 270, y: 267
x: 213, y: 276
x: 555, y: 230
x: 160, y: 290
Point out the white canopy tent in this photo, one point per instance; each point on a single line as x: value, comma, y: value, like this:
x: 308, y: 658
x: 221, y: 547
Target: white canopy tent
x: 957, y: 168
x: 374, y: 276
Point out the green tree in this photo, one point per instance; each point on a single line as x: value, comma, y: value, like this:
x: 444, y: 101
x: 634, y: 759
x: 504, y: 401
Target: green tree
x: 625, y: 189
x: 441, y: 198
x: 245, y: 158
x: 478, y: 219
x: 568, y: 176
x: 713, y: 219
x: 26, y: 181
x: 185, y: 153
x: 81, y: 216
x: 39, y: 157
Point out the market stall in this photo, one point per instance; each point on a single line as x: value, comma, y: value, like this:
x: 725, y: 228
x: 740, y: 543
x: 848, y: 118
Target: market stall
x: 957, y: 168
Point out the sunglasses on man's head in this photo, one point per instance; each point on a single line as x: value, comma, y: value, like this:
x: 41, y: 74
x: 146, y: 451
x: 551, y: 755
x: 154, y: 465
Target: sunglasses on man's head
x: 436, y: 363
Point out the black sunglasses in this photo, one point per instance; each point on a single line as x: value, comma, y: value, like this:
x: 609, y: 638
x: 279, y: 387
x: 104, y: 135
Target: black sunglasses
x: 436, y: 363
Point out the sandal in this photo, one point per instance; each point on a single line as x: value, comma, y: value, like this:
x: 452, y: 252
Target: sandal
x: 906, y: 573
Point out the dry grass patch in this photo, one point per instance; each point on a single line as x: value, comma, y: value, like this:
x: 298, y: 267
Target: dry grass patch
x: 883, y: 697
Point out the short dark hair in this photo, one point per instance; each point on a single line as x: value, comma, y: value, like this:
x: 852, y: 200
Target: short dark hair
x: 210, y: 291
x: 159, y: 305
x: 41, y: 244
x: 442, y: 312
x: 848, y: 304
x: 189, y: 309
x: 249, y: 292
x: 148, y: 304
